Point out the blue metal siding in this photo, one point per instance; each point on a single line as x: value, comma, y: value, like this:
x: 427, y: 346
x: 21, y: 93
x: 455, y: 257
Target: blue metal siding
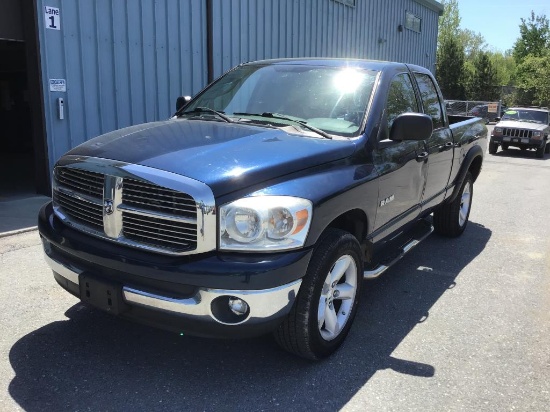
x: 125, y: 62
x: 246, y: 30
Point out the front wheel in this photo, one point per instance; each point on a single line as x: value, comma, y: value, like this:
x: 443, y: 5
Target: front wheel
x: 327, y: 302
x: 547, y: 151
x: 493, y: 148
x: 450, y: 219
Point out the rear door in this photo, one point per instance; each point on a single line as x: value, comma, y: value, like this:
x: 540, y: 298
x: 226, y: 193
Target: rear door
x: 440, y: 146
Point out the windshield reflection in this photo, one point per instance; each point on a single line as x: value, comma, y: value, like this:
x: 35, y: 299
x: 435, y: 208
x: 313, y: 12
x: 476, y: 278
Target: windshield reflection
x: 332, y: 99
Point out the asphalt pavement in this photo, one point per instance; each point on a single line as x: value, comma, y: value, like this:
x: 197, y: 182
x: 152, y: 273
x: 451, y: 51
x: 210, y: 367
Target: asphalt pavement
x: 457, y: 325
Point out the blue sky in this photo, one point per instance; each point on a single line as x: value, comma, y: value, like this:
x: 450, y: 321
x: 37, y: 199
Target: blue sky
x: 498, y: 20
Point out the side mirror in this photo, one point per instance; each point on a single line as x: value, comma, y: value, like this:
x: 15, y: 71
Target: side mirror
x: 411, y: 126
x: 497, y: 119
x: 182, y: 101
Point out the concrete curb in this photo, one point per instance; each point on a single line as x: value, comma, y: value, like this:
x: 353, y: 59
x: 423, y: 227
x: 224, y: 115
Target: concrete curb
x: 18, y: 231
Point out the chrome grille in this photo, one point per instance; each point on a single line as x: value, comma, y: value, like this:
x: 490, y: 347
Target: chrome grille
x: 146, y: 196
x: 80, y: 210
x: 130, y: 211
x: 81, y: 181
x: 159, y: 232
x: 517, y: 132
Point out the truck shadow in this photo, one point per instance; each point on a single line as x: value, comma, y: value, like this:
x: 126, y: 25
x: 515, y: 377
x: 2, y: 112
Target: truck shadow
x: 94, y: 361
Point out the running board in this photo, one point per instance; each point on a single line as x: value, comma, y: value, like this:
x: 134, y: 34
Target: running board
x: 374, y: 273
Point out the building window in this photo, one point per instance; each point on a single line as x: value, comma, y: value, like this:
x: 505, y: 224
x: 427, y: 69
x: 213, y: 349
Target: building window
x: 347, y: 2
x: 413, y: 22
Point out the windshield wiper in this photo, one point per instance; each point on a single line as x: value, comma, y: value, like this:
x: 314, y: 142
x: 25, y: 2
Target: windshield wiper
x: 302, y: 123
x: 207, y: 110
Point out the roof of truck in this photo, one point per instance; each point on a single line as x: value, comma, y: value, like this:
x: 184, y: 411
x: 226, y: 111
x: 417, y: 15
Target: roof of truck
x: 338, y: 62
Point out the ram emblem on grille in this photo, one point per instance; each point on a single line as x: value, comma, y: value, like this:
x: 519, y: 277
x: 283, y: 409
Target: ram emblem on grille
x: 108, y: 207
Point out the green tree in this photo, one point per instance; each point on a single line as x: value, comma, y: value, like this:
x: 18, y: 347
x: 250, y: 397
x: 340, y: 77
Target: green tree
x: 534, y: 38
x: 472, y: 42
x: 450, y: 69
x: 449, y: 22
x: 482, y: 83
x: 532, y: 56
x: 456, y: 51
x: 533, y: 80
x: 504, y: 65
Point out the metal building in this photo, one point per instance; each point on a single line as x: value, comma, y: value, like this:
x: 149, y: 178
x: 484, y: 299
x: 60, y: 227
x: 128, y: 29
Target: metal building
x: 74, y: 69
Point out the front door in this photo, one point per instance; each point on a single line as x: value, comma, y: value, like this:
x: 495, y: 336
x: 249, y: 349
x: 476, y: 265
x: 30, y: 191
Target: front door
x: 401, y: 164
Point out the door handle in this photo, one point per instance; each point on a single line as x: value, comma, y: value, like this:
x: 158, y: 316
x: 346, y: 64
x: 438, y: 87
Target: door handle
x: 446, y: 146
x: 422, y: 157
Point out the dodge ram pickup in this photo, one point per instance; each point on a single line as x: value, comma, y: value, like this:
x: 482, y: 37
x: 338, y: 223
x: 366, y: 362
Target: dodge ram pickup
x: 523, y: 127
x: 264, y: 202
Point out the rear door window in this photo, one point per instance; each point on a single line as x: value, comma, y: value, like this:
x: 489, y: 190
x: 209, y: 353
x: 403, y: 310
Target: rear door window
x: 430, y: 99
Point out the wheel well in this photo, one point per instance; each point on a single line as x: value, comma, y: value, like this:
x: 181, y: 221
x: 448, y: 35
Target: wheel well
x: 354, y: 221
x: 475, y: 167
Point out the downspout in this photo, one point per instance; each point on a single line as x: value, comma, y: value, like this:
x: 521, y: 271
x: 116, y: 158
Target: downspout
x: 210, y: 41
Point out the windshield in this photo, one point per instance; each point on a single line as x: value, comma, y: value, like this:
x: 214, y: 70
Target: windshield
x: 526, y: 115
x: 331, y: 99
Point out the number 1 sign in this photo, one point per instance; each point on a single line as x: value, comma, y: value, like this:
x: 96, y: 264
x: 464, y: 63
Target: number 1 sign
x: 53, y: 18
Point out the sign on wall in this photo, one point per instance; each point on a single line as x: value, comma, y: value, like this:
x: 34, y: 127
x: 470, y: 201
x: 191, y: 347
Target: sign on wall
x: 53, y: 18
x: 58, y: 85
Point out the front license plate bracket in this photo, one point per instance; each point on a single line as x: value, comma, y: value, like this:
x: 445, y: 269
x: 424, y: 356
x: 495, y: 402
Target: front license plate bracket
x: 102, y: 294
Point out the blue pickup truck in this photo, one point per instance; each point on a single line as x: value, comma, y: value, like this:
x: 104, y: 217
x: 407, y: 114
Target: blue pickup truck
x: 265, y: 201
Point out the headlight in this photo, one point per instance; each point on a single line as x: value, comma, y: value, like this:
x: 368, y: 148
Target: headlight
x: 264, y: 223
x: 497, y: 131
x: 537, y: 135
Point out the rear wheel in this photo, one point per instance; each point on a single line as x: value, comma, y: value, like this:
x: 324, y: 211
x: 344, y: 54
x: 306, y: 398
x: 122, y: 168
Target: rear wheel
x: 493, y: 148
x: 327, y: 302
x: 450, y: 219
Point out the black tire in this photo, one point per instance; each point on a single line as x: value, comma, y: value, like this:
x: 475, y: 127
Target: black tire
x: 547, y: 151
x: 540, y: 151
x: 450, y: 219
x: 493, y: 147
x: 302, y: 332
x: 504, y: 146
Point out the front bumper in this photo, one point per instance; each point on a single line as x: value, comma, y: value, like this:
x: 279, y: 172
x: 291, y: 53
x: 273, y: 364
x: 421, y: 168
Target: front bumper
x: 518, y: 141
x: 167, y: 292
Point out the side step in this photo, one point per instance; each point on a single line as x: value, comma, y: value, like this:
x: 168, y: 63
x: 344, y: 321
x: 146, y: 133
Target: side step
x: 399, y: 253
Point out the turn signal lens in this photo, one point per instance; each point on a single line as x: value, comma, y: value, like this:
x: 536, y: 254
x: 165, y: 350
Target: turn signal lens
x: 303, y: 218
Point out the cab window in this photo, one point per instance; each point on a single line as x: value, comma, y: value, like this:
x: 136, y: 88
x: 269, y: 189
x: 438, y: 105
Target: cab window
x: 401, y: 98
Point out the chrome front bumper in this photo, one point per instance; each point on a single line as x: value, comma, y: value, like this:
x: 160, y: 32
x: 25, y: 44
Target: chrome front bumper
x: 207, y: 304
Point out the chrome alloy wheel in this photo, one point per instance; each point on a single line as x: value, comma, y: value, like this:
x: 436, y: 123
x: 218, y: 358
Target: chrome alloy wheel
x: 337, y: 297
x: 465, y: 202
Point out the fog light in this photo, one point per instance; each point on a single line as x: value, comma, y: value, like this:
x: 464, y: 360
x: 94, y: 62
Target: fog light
x: 238, y: 306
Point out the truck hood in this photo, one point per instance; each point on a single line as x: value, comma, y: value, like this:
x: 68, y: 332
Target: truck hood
x: 514, y: 124
x: 225, y: 156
